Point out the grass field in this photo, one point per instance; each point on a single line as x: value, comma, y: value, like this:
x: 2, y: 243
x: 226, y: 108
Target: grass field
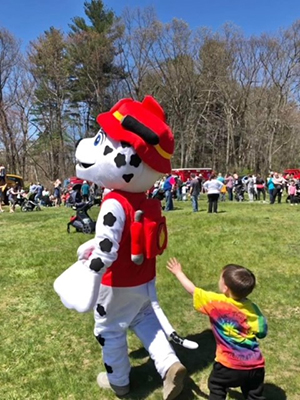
x: 49, y: 353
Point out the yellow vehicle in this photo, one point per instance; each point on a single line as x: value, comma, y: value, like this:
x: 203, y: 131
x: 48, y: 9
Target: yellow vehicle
x: 10, y: 181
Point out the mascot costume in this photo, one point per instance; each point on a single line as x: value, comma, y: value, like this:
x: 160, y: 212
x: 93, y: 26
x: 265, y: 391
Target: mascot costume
x: 115, y: 271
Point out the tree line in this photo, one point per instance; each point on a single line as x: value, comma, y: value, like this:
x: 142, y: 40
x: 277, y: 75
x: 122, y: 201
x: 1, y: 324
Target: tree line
x: 232, y: 101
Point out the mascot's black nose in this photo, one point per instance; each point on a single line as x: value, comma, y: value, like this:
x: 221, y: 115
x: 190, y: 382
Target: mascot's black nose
x: 77, y: 143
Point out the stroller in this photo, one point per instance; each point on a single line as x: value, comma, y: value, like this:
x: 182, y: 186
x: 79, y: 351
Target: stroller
x: 239, y: 193
x: 29, y: 204
x: 158, y: 194
x: 82, y: 222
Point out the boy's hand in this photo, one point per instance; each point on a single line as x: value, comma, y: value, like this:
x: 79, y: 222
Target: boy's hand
x: 174, y: 266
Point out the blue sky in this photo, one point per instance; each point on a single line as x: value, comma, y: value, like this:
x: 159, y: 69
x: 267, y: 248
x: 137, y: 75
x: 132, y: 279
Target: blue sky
x: 27, y: 19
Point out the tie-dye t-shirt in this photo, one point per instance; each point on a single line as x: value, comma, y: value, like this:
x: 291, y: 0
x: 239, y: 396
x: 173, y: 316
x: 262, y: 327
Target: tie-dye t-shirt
x: 236, y: 326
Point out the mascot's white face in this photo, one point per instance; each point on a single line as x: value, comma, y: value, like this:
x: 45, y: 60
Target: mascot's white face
x: 113, y: 165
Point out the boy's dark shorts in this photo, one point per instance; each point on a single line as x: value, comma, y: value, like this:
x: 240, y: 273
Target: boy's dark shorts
x: 250, y: 381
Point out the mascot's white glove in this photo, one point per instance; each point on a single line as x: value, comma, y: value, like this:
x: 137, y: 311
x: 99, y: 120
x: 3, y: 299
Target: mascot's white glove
x: 85, y: 251
x: 71, y: 285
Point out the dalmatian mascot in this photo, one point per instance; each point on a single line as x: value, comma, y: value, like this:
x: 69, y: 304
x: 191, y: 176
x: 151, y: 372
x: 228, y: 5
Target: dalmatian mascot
x: 115, y: 271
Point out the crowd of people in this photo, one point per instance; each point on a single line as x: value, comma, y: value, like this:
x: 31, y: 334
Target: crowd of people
x: 40, y: 196
x: 233, y: 187
x: 218, y: 187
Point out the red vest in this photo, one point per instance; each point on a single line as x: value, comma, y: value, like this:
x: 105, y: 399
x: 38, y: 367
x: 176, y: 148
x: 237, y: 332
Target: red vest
x: 123, y: 272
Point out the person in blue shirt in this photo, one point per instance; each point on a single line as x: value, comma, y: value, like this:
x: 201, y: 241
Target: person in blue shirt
x: 271, y: 188
x: 168, y: 189
x: 39, y: 192
x: 85, y: 191
x: 220, y: 178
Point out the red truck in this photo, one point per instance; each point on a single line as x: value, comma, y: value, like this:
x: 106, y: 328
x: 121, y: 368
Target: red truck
x: 185, y: 173
x: 295, y: 172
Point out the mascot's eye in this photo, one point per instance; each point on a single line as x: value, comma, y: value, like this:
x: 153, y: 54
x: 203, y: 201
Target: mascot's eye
x: 98, y: 139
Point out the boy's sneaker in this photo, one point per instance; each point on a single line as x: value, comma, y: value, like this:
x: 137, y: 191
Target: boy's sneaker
x: 103, y: 382
x: 173, y: 382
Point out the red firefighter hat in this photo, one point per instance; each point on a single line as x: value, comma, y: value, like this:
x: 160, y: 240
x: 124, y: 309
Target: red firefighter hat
x: 143, y: 126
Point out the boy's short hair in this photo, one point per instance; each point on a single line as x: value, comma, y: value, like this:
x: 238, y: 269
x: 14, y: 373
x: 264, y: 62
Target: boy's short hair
x: 239, y: 280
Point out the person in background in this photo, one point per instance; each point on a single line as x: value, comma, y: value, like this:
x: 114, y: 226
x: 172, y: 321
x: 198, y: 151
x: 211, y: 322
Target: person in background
x: 45, y: 201
x: 183, y: 191
x: 2, y: 174
x: 39, y: 192
x: 223, y: 192
x: 221, y: 178
x: 213, y: 188
x: 237, y: 324
x: 168, y: 188
x: 1, y: 197
x: 194, y: 191
x: 249, y: 182
x: 63, y: 197
x: 292, y: 193
x: 278, y: 182
x: 32, y: 191
x: 271, y: 187
x: 13, y: 193
x: 238, y: 187
x: 57, y: 193
x: 85, y: 191
x: 179, y: 184
x: 260, y: 187
x: 201, y: 181
x: 229, y: 181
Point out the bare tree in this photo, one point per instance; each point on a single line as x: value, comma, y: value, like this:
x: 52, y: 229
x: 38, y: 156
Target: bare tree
x: 9, y: 59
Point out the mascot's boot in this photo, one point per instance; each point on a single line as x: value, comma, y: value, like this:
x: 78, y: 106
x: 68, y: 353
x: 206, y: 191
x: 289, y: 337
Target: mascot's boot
x: 173, y: 382
x: 103, y: 382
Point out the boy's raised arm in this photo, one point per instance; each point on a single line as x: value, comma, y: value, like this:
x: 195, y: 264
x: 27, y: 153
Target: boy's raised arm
x: 175, y: 267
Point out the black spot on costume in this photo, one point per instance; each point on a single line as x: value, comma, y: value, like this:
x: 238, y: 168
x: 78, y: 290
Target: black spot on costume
x: 107, y: 150
x: 106, y: 245
x: 108, y: 368
x: 96, y: 264
x: 100, y: 339
x: 100, y: 310
x: 109, y: 219
x: 127, y: 177
x: 120, y: 160
x: 125, y: 144
x: 135, y: 160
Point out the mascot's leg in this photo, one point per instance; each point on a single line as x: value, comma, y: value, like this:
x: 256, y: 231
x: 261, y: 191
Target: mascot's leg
x: 116, y: 362
x: 115, y: 310
x: 164, y: 322
x: 147, y: 327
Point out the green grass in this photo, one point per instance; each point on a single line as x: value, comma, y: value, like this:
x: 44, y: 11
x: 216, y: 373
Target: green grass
x: 49, y: 352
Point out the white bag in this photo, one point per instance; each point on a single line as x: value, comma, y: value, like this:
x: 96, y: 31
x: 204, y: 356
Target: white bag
x: 78, y: 287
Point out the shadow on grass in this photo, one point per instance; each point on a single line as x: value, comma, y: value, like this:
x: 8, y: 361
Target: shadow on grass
x: 271, y: 392
x: 145, y: 379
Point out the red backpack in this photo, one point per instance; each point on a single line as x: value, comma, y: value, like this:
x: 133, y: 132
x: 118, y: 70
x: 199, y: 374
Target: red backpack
x: 149, y: 235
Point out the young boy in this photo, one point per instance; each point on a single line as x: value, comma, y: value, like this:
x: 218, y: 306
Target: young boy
x: 236, y: 324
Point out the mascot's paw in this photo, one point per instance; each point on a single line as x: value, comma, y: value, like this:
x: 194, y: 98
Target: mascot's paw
x: 188, y: 344
x: 78, y: 287
x: 103, y: 382
x: 173, y: 382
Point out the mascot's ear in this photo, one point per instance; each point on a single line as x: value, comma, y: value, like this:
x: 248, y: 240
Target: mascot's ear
x: 154, y: 107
